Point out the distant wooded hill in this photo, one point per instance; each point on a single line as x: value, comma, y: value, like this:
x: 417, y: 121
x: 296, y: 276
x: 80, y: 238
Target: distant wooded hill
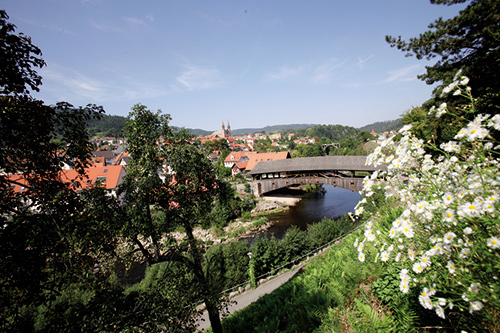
x: 383, y: 126
x: 111, y: 125
x: 270, y: 129
x: 108, y: 126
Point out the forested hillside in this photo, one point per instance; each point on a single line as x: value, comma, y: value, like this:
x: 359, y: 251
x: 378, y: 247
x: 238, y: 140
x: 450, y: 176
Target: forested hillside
x: 383, y: 126
x: 109, y: 125
x: 270, y: 129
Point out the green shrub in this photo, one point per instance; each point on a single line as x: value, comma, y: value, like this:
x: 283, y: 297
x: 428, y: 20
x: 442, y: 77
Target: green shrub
x: 263, y: 220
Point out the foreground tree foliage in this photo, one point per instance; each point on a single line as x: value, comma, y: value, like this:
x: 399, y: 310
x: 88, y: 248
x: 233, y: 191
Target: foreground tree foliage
x: 59, y: 247
x: 46, y: 240
x: 170, y: 183
x: 468, y: 42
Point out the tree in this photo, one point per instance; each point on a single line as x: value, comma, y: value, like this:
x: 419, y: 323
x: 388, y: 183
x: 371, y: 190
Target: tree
x: 366, y: 136
x: 143, y: 184
x: 18, y: 60
x: 50, y: 243
x: 213, y: 145
x: 469, y: 42
x: 191, y: 199
x: 169, y: 175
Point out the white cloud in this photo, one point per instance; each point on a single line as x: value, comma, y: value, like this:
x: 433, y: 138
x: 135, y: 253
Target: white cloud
x: 286, y: 73
x: 404, y: 74
x: 198, y: 78
x: 361, y: 62
x: 324, y: 72
x: 133, y: 20
x: 67, y: 84
x: 105, y: 27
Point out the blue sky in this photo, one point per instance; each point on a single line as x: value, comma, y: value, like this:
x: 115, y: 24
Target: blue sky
x: 251, y: 62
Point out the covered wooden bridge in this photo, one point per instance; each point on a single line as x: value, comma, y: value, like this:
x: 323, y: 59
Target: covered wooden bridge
x: 343, y: 171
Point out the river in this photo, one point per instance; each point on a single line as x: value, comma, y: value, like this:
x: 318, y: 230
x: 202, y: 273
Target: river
x: 313, y: 208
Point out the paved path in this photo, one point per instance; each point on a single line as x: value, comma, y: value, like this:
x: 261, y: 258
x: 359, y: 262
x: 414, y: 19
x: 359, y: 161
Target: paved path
x: 243, y: 300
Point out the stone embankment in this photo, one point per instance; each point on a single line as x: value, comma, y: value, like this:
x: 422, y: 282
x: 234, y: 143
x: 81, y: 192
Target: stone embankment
x: 276, y: 202
x: 267, y: 205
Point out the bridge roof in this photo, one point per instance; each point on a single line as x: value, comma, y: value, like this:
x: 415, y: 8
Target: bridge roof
x: 321, y: 163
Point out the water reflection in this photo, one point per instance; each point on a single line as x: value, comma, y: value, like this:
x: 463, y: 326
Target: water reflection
x: 330, y: 203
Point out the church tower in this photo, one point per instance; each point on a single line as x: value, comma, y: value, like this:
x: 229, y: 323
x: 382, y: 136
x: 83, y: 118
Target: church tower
x: 226, y: 133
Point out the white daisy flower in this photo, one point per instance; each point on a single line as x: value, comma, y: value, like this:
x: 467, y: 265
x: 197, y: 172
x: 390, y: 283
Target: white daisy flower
x: 449, y: 237
x: 418, y: 267
x: 475, y: 306
x: 493, y: 242
x: 404, y: 287
x: 464, y: 253
x: 448, y: 198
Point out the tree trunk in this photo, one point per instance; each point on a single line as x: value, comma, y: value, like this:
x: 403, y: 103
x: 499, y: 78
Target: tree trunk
x: 213, y: 311
x: 144, y: 252
x: 154, y: 237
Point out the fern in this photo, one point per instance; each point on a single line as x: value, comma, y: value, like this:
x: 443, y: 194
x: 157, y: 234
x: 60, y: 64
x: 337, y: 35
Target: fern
x: 377, y: 324
x: 405, y: 318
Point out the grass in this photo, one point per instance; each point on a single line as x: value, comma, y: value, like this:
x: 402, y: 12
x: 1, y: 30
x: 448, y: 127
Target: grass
x: 325, y: 286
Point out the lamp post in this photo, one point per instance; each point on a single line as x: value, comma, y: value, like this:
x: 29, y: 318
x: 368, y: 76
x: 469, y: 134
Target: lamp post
x: 251, y: 271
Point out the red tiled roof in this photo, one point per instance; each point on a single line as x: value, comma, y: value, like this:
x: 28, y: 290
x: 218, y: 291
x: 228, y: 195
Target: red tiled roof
x: 110, y: 176
x: 241, y: 165
x: 263, y: 157
x: 237, y: 155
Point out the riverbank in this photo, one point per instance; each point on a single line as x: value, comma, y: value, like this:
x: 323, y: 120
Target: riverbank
x: 242, y: 229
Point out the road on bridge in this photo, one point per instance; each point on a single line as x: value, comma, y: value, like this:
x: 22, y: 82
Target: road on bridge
x: 243, y: 300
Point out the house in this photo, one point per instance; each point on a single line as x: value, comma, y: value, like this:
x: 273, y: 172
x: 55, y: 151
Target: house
x: 214, y: 156
x: 122, y: 159
x: 250, y: 139
x: 111, y: 177
x: 256, y: 158
x: 234, y: 157
x: 301, y: 141
x: 108, y: 176
x: 238, y: 167
x: 106, y: 156
x: 275, y: 137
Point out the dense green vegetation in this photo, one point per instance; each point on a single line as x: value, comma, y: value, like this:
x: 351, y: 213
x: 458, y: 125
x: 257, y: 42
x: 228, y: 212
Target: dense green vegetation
x: 61, y: 250
x: 383, y: 126
x: 107, y: 126
x: 229, y: 262
x: 356, y: 289
x: 468, y: 44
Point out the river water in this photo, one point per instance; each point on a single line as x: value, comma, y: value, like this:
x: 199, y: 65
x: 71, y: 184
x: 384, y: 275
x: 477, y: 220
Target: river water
x: 330, y: 203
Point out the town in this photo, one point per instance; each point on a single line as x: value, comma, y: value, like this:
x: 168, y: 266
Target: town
x: 113, y: 223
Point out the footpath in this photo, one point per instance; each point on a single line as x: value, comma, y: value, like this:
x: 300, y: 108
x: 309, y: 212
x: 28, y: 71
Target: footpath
x: 243, y: 300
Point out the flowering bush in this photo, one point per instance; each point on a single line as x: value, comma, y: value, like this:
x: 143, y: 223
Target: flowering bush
x: 446, y: 241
